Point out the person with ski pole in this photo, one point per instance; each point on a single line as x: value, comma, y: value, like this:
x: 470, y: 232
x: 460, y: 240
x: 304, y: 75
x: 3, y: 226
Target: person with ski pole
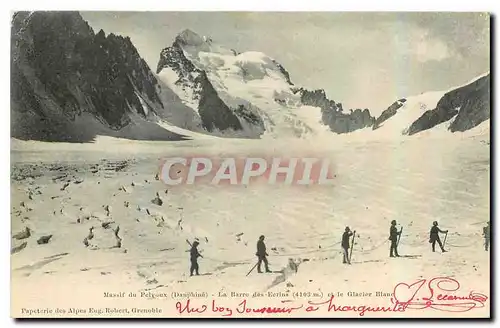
x: 434, y: 237
x: 345, y: 245
x: 486, y: 235
x: 262, y: 255
x: 393, y: 237
x: 194, y: 258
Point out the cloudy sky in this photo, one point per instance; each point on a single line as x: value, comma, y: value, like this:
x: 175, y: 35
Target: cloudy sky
x: 364, y: 60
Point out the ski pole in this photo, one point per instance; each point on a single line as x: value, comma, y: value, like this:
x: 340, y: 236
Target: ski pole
x: 252, y: 269
x: 444, y: 241
x: 352, y: 245
x: 399, y: 237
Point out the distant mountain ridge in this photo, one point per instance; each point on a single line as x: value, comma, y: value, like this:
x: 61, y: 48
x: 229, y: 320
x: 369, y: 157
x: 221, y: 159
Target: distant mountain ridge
x: 71, y: 84
x: 261, y: 87
x: 462, y: 108
x: 333, y: 115
x: 466, y: 107
x: 252, y: 92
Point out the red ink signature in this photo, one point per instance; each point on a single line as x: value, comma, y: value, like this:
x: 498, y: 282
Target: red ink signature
x: 241, y: 308
x: 440, y: 293
x: 359, y: 309
x: 286, y: 307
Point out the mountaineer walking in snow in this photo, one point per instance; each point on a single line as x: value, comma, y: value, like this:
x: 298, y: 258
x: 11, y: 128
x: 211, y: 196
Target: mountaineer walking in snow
x: 434, y: 236
x: 345, y: 245
x: 261, y: 255
x: 393, y: 237
x: 486, y: 234
x: 194, y: 258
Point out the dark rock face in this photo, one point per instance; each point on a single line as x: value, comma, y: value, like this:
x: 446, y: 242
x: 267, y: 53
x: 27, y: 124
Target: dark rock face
x: 475, y: 105
x: 316, y: 98
x: 332, y: 113
x: 214, y: 113
x: 44, y: 239
x: 388, y: 113
x: 284, y: 72
x: 190, y: 38
x: 174, y: 58
x: 60, y: 69
x: 249, y: 116
x: 431, y: 118
x: 470, y: 105
x: 357, y: 119
x: 17, y: 249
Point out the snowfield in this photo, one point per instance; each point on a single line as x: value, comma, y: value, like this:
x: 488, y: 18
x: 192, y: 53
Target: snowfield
x: 413, y: 108
x: 64, y: 190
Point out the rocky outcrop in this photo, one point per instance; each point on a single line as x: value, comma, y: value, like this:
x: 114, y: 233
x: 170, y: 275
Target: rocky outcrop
x: 467, y: 107
x: 388, y: 113
x: 26, y: 233
x: 284, y: 72
x: 61, y: 69
x: 345, y: 123
x: 317, y: 98
x: 18, y: 248
x: 333, y: 114
x: 44, y: 239
x: 214, y: 113
x: 188, y: 75
x: 249, y: 116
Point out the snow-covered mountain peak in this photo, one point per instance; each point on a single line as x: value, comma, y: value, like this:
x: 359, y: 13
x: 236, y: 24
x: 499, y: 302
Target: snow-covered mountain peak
x: 210, y: 56
x: 216, y: 81
x: 188, y: 37
x: 192, y: 44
